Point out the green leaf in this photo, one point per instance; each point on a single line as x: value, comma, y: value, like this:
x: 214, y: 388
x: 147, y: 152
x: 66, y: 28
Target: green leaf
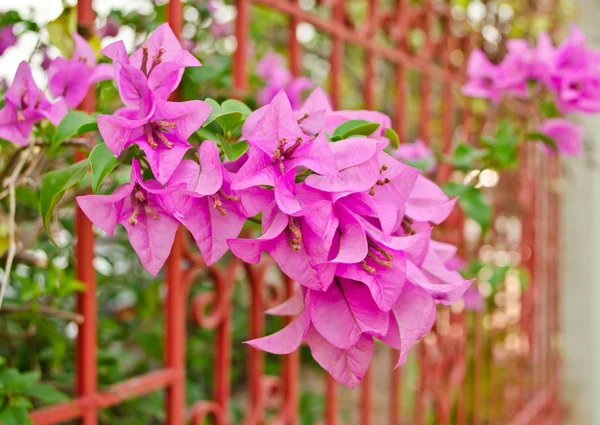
x: 71, y: 125
x: 13, y: 381
x: 102, y: 162
x: 206, y: 134
x: 45, y: 393
x: 54, y: 185
x: 391, y: 134
x: 232, y: 105
x: 229, y: 115
x: 354, y: 128
x: 541, y: 137
x: 465, y: 156
x: 215, y: 111
x: 233, y: 150
x: 472, y: 202
x: 14, y: 415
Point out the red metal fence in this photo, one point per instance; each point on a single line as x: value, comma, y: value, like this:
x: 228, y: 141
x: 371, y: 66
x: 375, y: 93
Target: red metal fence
x: 497, y: 367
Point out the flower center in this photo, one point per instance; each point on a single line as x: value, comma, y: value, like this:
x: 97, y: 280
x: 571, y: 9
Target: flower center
x: 281, y: 152
x: 380, y: 182
x: 407, y: 225
x: 155, y: 60
x: 294, y: 235
x: 378, y: 255
x: 139, y: 200
x: 156, y: 131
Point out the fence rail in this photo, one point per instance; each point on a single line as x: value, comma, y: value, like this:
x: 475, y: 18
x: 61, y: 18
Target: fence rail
x: 500, y: 367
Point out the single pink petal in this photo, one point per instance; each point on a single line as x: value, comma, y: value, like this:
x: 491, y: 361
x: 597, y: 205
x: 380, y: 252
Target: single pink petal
x: 285, y: 188
x: 133, y: 88
x: 83, y: 50
x: 165, y: 78
x: 293, y: 306
x: 344, y: 312
x: 105, y: 211
x: 345, y: 366
x: 210, y: 228
x: 415, y: 314
x: 116, y: 51
x: 317, y: 100
x: 286, y: 340
x: 353, y: 240
x: 152, y: 236
x: 118, y: 132
x: 252, y: 121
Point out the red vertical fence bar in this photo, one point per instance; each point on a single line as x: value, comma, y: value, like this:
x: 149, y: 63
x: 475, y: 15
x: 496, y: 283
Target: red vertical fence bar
x: 86, y: 301
x: 175, y: 303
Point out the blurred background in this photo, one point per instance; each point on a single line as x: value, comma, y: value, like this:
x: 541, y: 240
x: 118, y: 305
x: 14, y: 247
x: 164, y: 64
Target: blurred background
x: 484, y: 358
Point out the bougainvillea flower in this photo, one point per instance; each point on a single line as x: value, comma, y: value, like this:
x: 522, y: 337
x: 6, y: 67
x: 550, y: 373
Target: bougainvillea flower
x: 161, y: 132
x: 71, y: 78
x: 140, y: 206
x: 157, y: 64
x: 25, y: 105
x: 271, y: 68
x: 472, y: 297
x: 579, y: 92
x: 207, y: 206
x: 482, y: 76
x: 567, y: 136
x: 417, y: 153
x: 278, y: 144
x: 301, y: 253
x: 7, y: 38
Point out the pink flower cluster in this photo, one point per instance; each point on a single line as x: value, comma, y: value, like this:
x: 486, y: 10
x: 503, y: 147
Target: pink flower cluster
x: 351, y: 225
x: 344, y: 219
x: 570, y: 72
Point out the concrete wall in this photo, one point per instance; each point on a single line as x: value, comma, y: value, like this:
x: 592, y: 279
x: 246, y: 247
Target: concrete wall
x: 581, y: 260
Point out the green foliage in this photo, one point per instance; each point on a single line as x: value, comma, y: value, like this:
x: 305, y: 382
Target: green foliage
x: 102, y: 162
x: 16, y: 391
x: 472, y: 202
x: 75, y: 123
x: 224, y: 126
x: 54, y: 186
